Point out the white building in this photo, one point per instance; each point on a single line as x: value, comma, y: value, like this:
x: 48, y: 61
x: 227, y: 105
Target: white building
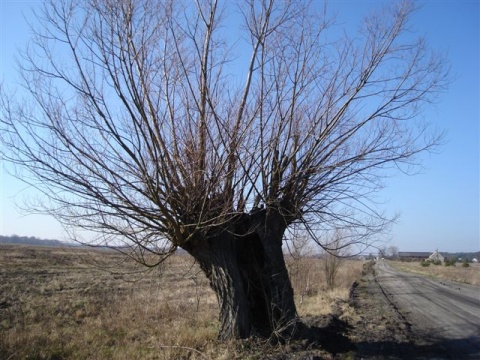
x: 436, y: 256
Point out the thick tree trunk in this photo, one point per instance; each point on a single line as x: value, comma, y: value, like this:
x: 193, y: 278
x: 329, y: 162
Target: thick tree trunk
x: 282, y: 313
x: 217, y: 257
x: 247, y: 271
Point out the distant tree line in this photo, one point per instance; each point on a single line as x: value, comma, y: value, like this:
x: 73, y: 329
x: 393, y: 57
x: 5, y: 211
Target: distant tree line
x: 392, y: 252
x: 29, y: 240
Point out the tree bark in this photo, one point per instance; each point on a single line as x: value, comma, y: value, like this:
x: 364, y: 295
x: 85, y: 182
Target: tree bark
x: 282, y: 312
x: 247, y: 271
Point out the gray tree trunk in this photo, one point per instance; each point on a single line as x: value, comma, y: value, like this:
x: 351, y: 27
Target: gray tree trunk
x: 247, y: 271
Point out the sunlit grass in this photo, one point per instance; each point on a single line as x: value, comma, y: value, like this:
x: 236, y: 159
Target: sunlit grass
x: 54, y: 305
x: 312, y: 295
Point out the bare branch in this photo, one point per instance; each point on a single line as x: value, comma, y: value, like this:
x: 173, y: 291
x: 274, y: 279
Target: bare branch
x: 131, y: 125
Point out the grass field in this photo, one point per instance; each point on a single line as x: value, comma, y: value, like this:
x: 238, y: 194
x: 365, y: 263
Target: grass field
x: 60, y: 304
x: 467, y: 275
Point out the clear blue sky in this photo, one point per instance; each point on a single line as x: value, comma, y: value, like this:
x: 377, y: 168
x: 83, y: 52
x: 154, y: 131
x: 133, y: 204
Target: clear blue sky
x: 439, y: 208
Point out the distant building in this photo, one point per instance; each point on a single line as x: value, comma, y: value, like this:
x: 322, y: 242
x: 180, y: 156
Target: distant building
x: 419, y: 255
x: 436, y: 256
x: 474, y: 260
x: 413, y: 255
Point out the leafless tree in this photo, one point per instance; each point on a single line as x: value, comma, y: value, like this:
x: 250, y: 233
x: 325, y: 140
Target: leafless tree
x: 393, y: 252
x: 382, y: 252
x: 298, y: 242
x: 146, y: 122
x: 333, y: 258
x: 299, y: 248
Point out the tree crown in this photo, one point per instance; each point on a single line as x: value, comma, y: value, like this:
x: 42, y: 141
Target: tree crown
x: 141, y: 122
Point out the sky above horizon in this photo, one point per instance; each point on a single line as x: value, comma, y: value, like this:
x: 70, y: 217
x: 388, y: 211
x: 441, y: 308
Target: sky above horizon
x: 439, y: 208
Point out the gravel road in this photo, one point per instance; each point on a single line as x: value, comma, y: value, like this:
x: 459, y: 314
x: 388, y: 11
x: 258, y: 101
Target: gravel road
x: 444, y: 316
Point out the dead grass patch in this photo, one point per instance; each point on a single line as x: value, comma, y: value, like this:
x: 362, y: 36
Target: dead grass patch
x: 312, y: 295
x: 54, y: 304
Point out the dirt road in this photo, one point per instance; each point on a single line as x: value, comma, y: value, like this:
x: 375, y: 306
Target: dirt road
x: 442, y: 316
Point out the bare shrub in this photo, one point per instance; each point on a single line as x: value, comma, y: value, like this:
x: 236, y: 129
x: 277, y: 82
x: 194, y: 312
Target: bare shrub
x: 335, y: 252
x: 301, y: 266
x: 312, y: 295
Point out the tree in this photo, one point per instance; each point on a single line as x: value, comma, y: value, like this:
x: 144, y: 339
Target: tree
x: 133, y: 124
x: 333, y: 258
x: 298, y: 244
x: 393, y: 252
x: 382, y: 252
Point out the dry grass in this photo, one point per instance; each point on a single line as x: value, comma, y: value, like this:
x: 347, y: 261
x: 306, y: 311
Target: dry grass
x: 55, y: 305
x: 312, y: 295
x: 467, y: 275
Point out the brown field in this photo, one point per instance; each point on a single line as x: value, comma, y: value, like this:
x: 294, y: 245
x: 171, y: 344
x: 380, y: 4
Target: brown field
x: 467, y: 275
x: 56, y: 304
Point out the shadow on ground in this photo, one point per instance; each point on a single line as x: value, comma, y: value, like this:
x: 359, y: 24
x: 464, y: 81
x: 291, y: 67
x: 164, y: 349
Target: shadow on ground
x: 328, y: 338
x: 438, y: 349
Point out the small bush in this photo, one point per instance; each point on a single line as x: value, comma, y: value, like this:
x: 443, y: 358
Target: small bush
x: 450, y: 262
x: 465, y: 264
x: 425, y: 263
x: 437, y: 262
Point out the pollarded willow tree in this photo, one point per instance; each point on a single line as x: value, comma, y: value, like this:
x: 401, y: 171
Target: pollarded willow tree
x: 167, y: 124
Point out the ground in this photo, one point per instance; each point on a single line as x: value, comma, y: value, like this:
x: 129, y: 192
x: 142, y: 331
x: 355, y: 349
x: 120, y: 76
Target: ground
x: 373, y: 330
x: 59, y: 304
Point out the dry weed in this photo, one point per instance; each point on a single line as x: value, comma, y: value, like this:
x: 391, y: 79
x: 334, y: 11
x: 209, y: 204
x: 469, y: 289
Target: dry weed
x: 311, y: 291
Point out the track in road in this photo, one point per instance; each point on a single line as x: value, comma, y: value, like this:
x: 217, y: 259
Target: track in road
x: 443, y: 314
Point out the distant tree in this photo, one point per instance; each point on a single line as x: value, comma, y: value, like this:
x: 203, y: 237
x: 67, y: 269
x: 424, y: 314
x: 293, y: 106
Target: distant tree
x: 450, y: 261
x: 299, y: 246
x: 425, y: 263
x: 388, y: 252
x: 392, y: 252
x: 134, y: 124
x: 30, y: 240
x: 299, y: 243
x: 382, y: 252
x: 336, y: 250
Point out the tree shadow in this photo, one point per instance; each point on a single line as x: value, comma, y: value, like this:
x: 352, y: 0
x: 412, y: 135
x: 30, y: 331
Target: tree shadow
x: 467, y: 348
x: 330, y: 334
